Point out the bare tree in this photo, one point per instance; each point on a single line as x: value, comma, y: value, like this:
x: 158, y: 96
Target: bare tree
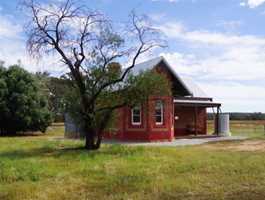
x: 88, y: 43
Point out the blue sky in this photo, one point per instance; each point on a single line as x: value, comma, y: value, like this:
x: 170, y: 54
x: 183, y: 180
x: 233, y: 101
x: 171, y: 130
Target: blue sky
x: 218, y: 43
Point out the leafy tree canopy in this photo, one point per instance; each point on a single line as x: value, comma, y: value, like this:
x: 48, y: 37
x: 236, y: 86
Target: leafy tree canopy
x: 23, y: 107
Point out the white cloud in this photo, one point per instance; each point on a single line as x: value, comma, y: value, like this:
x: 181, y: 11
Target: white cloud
x: 228, y: 84
x: 252, y: 3
x: 229, y: 26
x: 8, y: 28
x: 13, y: 48
x: 177, y: 30
x: 237, y: 97
x: 230, y: 67
x: 157, y: 16
x: 10, y: 41
x: 226, y: 52
x: 243, y: 4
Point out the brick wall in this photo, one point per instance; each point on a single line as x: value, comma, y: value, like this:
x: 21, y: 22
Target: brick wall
x: 185, y: 124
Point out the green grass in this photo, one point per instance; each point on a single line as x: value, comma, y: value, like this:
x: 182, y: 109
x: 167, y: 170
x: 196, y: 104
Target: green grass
x: 44, y: 168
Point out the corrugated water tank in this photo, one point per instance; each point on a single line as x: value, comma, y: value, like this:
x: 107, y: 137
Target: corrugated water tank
x: 224, y: 125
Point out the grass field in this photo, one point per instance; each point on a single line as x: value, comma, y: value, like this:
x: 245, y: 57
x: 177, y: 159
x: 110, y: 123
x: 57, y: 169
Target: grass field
x: 49, y: 168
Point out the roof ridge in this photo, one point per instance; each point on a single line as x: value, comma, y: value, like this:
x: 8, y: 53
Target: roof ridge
x: 148, y: 64
x: 152, y: 59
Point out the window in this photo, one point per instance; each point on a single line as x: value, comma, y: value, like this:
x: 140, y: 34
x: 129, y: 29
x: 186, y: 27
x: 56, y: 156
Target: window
x: 159, y: 112
x: 136, y: 115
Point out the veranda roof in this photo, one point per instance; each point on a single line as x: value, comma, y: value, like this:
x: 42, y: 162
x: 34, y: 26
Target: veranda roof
x: 195, y: 102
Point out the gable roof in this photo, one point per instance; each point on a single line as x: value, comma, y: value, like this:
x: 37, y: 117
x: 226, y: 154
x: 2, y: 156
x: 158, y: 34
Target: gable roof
x: 192, y: 88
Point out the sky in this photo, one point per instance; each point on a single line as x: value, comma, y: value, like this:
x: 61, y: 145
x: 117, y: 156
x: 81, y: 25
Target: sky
x: 220, y: 44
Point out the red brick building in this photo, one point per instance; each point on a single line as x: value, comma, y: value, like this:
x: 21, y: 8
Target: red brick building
x: 165, y: 117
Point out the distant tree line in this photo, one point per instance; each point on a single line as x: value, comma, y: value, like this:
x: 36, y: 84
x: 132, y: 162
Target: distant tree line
x: 242, y: 116
x: 56, y: 90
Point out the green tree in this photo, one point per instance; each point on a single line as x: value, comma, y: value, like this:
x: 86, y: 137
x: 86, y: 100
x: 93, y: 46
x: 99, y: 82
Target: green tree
x: 23, y: 107
x: 93, y: 49
x: 3, y: 95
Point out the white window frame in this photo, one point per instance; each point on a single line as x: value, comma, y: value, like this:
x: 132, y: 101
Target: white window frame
x: 161, y: 110
x: 140, y: 115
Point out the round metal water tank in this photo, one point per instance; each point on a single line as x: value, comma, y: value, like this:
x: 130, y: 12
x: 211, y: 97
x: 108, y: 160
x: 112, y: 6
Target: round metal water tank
x: 224, y: 125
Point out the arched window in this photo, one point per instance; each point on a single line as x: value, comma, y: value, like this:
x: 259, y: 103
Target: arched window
x: 136, y: 117
x: 159, y: 112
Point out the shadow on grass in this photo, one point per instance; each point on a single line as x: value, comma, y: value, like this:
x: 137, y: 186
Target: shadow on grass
x: 40, y: 152
x: 27, y: 134
x: 57, y: 152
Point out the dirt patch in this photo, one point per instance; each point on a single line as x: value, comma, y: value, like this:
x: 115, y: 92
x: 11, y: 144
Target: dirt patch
x: 247, y: 145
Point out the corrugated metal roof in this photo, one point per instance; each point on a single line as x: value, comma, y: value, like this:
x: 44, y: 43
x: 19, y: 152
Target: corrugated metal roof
x: 196, y: 102
x: 149, y: 64
x: 187, y: 82
x: 194, y: 88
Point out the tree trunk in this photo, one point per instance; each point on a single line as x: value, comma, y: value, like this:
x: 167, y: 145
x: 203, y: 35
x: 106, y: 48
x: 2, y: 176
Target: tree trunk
x: 93, y: 133
x: 99, y: 140
x: 92, y: 139
x: 89, y: 143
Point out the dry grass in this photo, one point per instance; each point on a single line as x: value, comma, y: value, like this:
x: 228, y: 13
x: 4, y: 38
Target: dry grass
x: 252, y: 129
x: 247, y: 145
